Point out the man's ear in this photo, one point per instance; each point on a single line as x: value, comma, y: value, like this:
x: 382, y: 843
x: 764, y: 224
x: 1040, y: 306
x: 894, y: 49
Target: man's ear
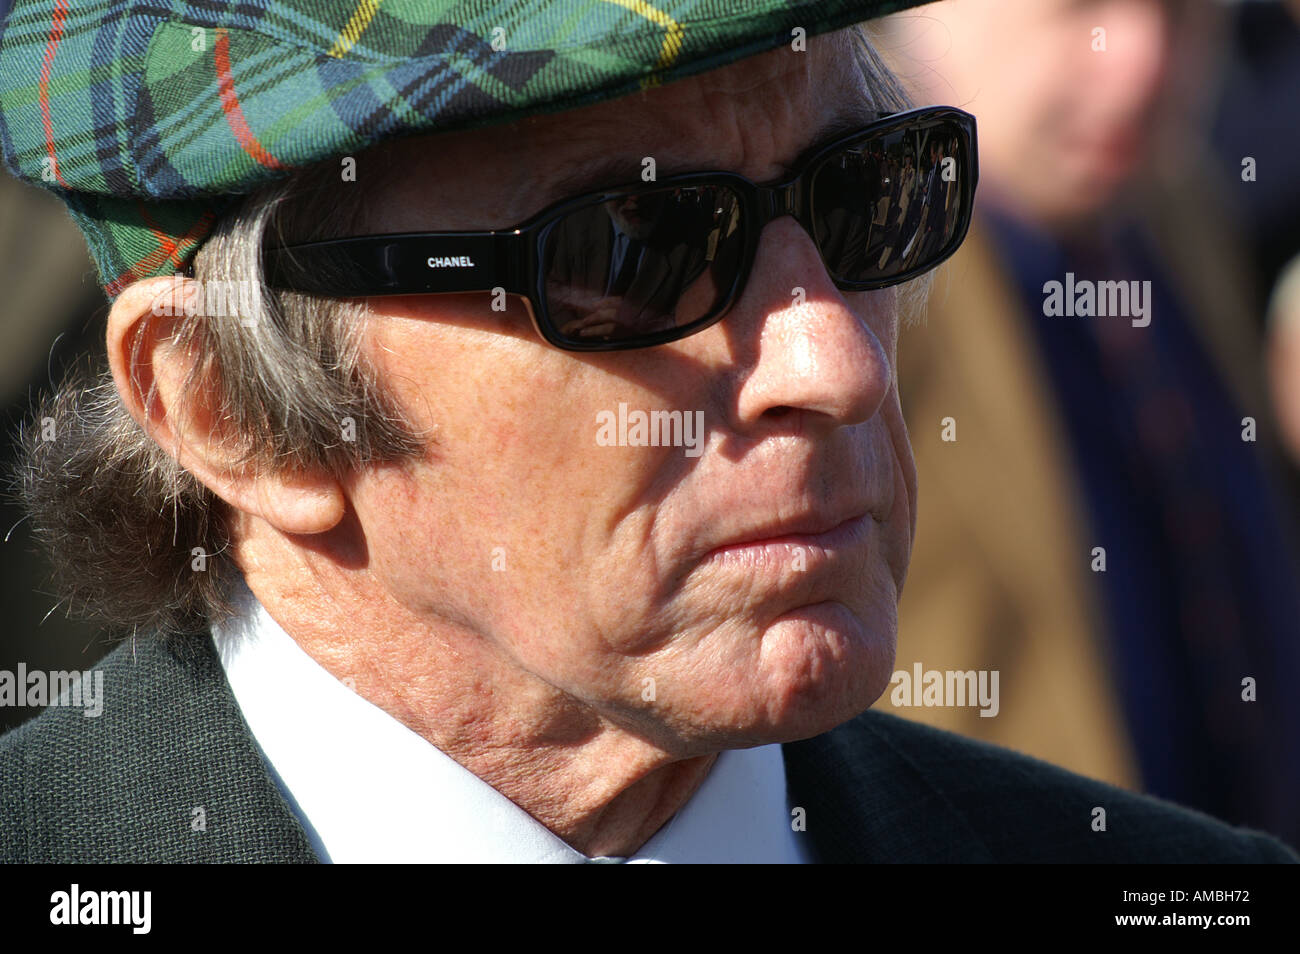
x: 151, y: 372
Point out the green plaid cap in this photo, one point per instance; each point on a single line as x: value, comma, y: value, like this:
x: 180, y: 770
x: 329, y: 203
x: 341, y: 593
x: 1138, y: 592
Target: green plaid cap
x: 147, y: 116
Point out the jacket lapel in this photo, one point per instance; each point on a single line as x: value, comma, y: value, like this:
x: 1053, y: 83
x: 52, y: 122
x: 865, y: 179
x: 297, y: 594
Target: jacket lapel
x: 867, y: 802
x: 168, y: 773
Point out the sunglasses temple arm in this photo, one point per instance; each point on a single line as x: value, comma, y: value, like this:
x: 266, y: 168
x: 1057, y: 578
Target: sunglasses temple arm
x: 403, y: 264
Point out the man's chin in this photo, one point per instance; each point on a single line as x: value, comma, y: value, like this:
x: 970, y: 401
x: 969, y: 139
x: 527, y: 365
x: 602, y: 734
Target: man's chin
x: 822, y: 666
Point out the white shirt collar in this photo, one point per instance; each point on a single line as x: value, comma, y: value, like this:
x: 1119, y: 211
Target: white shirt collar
x: 368, y: 789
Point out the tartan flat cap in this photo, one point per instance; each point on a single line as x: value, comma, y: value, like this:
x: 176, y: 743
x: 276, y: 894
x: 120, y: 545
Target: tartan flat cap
x: 148, y: 116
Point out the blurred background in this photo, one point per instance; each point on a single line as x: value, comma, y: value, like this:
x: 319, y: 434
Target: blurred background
x: 1120, y: 140
x: 52, y: 314
x: 1110, y: 520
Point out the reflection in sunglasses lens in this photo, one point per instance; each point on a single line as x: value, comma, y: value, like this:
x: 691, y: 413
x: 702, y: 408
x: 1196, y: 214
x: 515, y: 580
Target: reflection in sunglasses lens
x: 891, y: 204
x: 642, y: 264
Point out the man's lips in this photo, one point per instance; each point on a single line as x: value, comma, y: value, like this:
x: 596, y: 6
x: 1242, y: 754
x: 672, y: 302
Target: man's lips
x: 812, y: 532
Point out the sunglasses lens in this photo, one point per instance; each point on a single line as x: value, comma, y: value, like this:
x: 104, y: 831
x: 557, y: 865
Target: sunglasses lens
x: 894, y: 205
x: 643, y: 266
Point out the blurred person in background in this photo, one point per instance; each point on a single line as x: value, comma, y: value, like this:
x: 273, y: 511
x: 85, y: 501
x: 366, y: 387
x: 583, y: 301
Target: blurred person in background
x: 1256, y: 138
x: 1102, y: 522
x: 1284, y: 355
x: 1256, y: 132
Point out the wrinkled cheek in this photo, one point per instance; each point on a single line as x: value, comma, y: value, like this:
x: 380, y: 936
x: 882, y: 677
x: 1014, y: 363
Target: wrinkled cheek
x: 901, y: 533
x: 902, y: 519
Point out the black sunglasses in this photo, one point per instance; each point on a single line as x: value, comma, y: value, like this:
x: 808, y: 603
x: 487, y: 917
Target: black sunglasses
x: 651, y: 263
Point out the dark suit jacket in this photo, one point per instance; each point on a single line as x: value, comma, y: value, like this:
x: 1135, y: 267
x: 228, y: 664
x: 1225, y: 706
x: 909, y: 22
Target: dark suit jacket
x: 125, y: 786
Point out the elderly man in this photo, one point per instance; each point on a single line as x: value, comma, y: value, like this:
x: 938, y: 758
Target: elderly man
x: 449, y: 621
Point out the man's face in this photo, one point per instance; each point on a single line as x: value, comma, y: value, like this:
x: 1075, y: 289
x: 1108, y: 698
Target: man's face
x: 1069, y: 93
x: 631, y: 216
x: 597, y: 570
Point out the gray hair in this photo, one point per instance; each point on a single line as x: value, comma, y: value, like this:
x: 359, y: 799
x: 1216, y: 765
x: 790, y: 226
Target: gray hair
x: 136, y: 541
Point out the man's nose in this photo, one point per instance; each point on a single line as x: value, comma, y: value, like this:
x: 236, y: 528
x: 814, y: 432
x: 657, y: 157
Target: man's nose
x: 802, y: 347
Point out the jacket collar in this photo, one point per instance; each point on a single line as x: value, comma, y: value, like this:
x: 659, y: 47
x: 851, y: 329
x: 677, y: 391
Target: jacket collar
x: 172, y: 735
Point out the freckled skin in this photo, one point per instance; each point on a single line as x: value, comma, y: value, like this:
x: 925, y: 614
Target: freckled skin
x: 535, y: 677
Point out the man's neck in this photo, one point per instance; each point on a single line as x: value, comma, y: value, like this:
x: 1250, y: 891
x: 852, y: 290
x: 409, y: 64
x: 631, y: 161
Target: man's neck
x: 599, y: 787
